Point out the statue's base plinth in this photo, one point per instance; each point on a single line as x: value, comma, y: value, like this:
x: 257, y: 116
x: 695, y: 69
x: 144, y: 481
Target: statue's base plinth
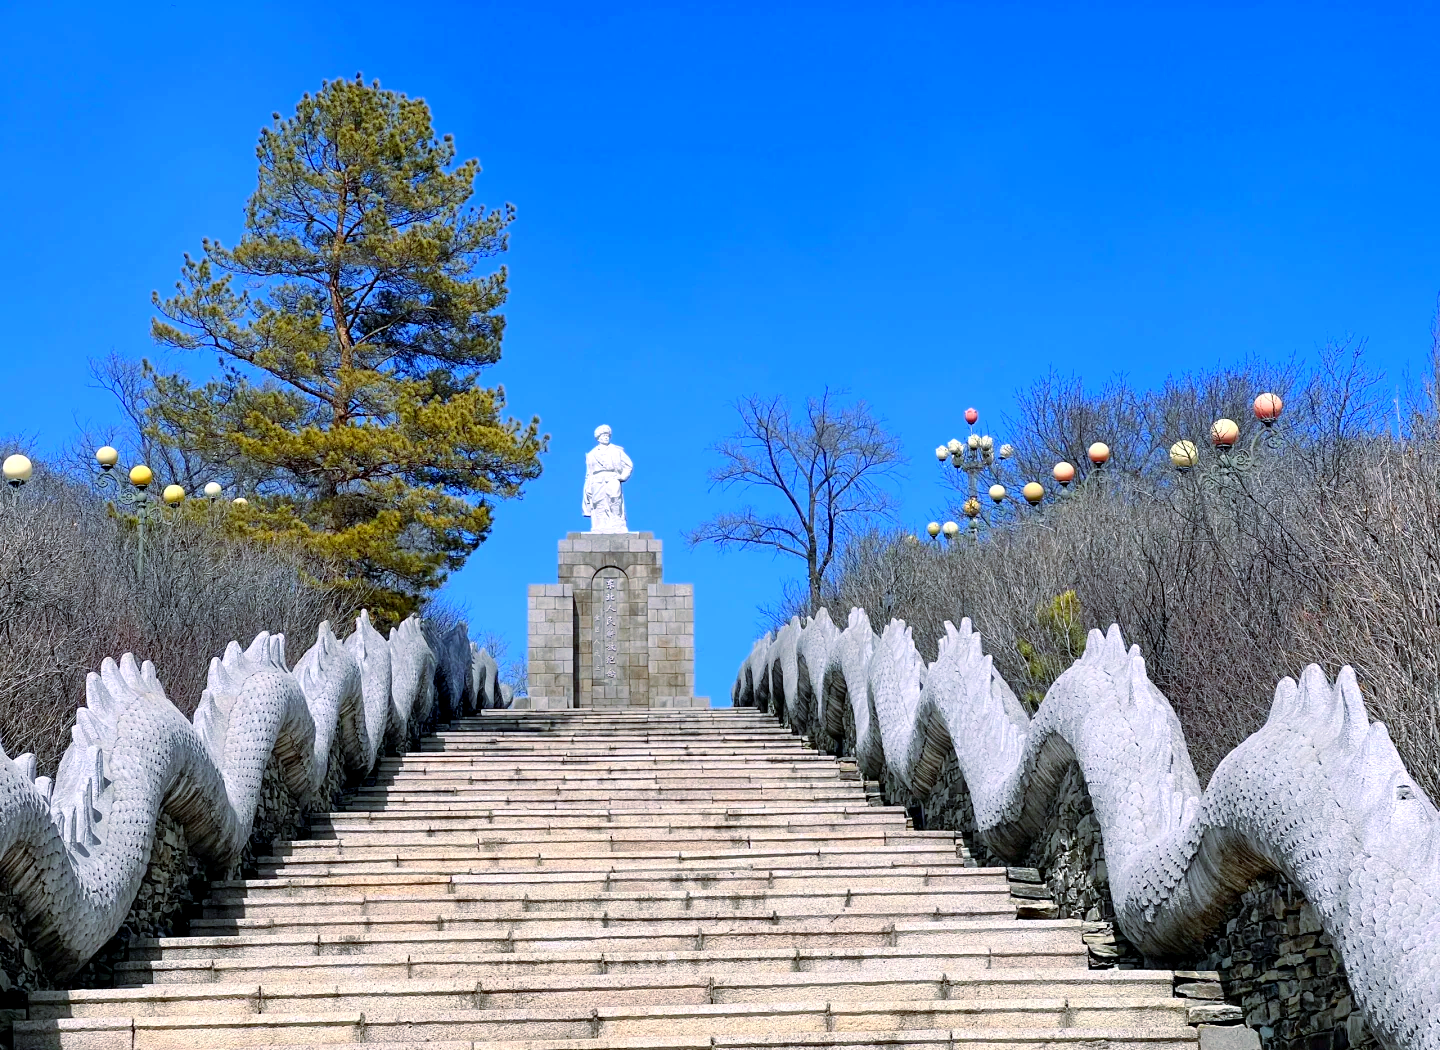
x: 611, y: 632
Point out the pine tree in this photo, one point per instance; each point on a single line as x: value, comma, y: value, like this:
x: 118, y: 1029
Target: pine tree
x: 351, y: 327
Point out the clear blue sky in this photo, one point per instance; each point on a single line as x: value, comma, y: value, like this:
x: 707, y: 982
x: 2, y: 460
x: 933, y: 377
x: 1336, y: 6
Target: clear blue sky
x: 927, y: 205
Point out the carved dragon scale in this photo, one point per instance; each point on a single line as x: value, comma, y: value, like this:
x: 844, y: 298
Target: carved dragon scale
x: 1318, y: 794
x: 74, y: 851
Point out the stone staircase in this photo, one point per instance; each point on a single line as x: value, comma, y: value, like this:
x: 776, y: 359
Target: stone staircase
x: 580, y: 879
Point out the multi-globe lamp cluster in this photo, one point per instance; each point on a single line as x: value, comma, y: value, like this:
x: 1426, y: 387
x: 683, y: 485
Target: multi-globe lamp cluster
x: 978, y: 453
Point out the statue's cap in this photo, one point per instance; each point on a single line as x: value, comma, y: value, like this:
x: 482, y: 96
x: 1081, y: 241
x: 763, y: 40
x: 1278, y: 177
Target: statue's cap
x: 603, y: 428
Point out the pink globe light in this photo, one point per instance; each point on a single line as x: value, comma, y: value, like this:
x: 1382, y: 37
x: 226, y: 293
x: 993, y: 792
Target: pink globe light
x: 971, y: 416
x: 1267, y: 408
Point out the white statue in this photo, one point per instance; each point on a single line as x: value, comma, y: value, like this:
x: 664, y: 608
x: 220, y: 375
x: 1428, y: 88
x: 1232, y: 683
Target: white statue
x: 606, y: 467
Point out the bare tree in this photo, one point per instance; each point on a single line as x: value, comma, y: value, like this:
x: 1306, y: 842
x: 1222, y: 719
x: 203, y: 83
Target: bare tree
x: 823, y: 474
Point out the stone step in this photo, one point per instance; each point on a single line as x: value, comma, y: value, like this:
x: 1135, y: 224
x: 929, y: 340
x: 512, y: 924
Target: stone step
x: 474, y: 966
x: 477, y: 903
x: 513, y: 842
x: 911, y: 1039
x: 338, y: 860
x: 595, y: 1023
x: 574, y: 923
x: 418, y: 996
x: 582, y: 884
x: 841, y: 791
x: 818, y: 821
x: 1008, y: 935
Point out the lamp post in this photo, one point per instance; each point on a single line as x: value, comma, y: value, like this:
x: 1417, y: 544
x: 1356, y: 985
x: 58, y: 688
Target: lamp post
x: 1232, y: 464
x: 976, y: 455
x: 145, y: 506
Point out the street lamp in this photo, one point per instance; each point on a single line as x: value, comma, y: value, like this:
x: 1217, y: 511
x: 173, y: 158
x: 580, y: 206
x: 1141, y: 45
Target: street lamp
x: 1231, y: 463
x: 147, y: 509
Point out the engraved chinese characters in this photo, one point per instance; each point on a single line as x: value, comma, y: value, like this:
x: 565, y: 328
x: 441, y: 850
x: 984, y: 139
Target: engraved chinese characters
x: 610, y: 634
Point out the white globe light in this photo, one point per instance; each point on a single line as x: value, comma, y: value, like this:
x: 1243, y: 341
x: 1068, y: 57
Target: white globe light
x: 212, y: 489
x: 997, y: 492
x: 1006, y: 451
x: 17, y: 469
x: 942, y: 453
x: 974, y: 442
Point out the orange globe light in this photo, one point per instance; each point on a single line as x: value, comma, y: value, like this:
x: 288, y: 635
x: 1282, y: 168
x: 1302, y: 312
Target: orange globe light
x: 971, y: 416
x: 1064, y: 472
x: 972, y: 507
x: 141, y: 476
x: 1267, y: 408
x: 1099, y: 453
x: 1224, y: 433
x: 1033, y: 492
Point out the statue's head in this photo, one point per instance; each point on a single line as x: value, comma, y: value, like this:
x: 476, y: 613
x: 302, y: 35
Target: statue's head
x: 602, y: 433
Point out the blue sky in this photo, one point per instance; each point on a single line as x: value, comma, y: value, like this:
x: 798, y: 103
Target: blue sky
x: 927, y: 205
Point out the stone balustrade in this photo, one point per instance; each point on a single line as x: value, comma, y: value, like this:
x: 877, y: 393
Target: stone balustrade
x: 1317, y: 802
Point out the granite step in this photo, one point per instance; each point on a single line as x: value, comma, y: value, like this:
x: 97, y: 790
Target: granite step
x: 673, y: 905
x: 813, y: 1017
x: 532, y: 965
x: 421, y: 996
x: 585, y: 884
x: 1006, y: 935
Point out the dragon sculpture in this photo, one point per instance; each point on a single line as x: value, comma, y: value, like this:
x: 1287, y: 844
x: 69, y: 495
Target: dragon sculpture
x: 1318, y: 794
x: 74, y: 851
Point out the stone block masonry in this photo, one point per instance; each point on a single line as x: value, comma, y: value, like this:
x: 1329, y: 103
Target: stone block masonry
x: 611, y: 632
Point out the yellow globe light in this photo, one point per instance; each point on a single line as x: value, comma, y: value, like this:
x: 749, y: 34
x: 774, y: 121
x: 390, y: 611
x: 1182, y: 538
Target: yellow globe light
x: 1099, y: 453
x: 972, y: 507
x: 997, y: 492
x: 212, y: 489
x: 1224, y: 433
x: 106, y: 456
x: 1267, y: 408
x: 933, y: 529
x: 240, y: 501
x: 1033, y: 492
x: 1184, y: 455
x: 951, y: 530
x: 1064, y: 472
x: 942, y: 453
x: 173, y: 494
x: 17, y: 469
x: 141, y: 476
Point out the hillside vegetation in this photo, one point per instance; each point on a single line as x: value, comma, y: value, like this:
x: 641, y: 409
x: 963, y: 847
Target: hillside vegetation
x: 1327, y: 550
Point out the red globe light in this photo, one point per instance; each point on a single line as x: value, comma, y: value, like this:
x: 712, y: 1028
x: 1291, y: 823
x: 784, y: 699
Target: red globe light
x: 1267, y: 408
x: 971, y: 416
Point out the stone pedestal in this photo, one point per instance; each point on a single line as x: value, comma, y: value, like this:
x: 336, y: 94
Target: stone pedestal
x: 611, y: 632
